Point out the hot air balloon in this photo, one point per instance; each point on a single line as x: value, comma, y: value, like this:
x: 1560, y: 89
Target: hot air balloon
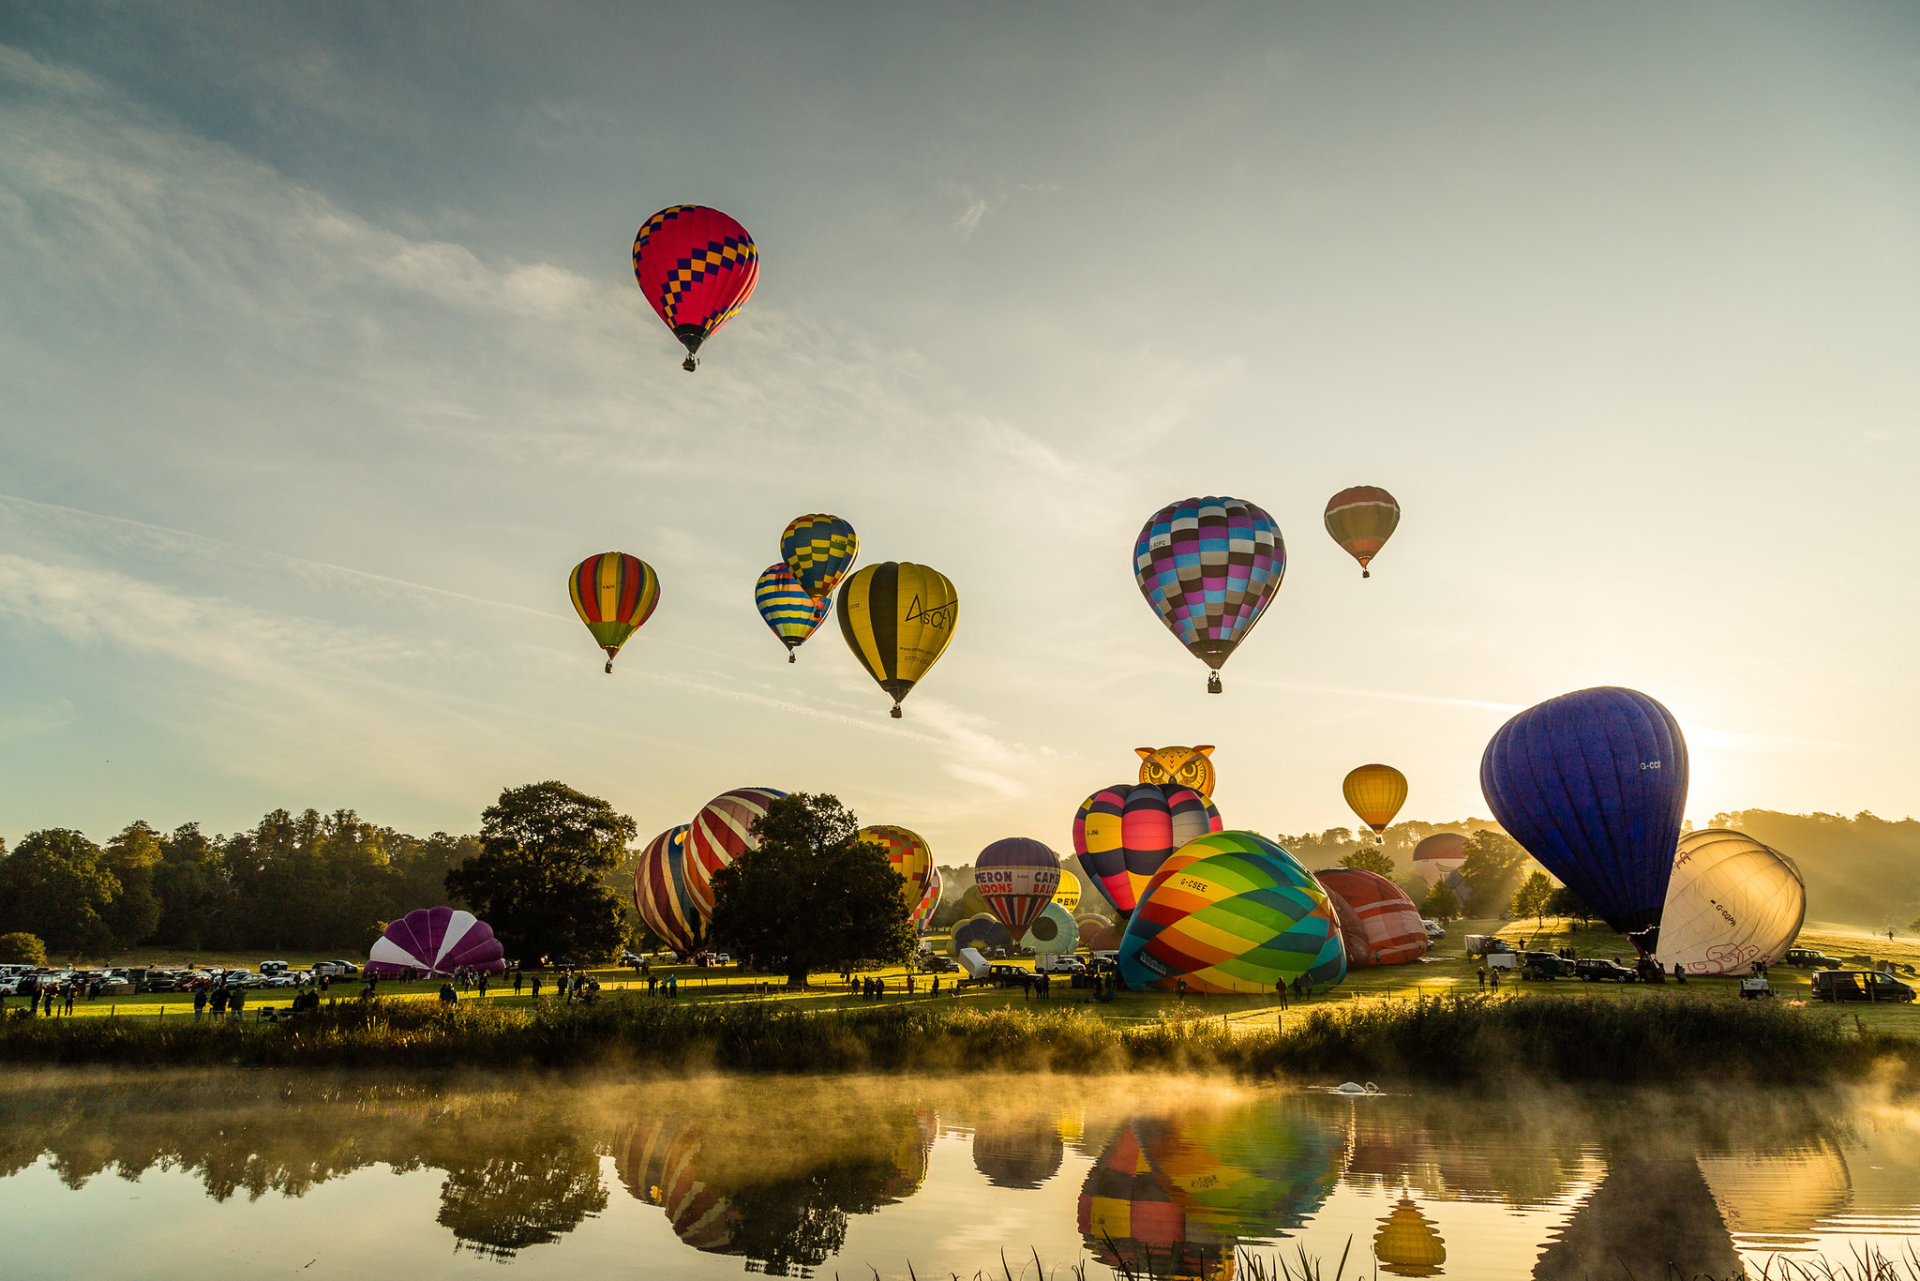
x: 1097, y: 933
x: 613, y: 593
x: 1361, y: 520
x: 1209, y: 567
x: 721, y: 832
x: 897, y: 619
x: 929, y: 900
x: 1375, y: 793
x: 1123, y: 834
x: 1232, y: 912
x: 1053, y: 932
x: 1731, y: 902
x: 697, y: 267
x: 1067, y: 893
x: 661, y: 892
x: 436, y: 942
x: 1439, y: 854
x: 973, y: 902
x: 1187, y: 767
x: 983, y: 932
x: 1017, y: 876
x: 1592, y: 784
x: 1407, y: 1243
x: 1386, y: 929
x: 789, y: 612
x: 819, y: 550
x: 908, y: 855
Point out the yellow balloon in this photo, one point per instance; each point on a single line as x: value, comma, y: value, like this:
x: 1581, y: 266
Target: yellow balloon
x: 1068, y: 895
x: 1376, y: 793
x: 897, y: 619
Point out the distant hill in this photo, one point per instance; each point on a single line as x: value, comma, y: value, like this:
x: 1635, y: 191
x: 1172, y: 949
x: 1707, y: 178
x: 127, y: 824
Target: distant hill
x: 1862, y: 871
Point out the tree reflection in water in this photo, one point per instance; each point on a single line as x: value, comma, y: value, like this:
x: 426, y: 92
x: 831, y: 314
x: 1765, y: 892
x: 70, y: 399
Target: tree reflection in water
x: 502, y: 1204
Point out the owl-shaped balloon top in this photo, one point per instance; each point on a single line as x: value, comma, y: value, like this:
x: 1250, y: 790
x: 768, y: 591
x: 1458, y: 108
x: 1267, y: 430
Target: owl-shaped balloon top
x: 1178, y: 767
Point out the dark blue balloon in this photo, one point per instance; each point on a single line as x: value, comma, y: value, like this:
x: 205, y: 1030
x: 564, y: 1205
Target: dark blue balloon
x: 1593, y: 784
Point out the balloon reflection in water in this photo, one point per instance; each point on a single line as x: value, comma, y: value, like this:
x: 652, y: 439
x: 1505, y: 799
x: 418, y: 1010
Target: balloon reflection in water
x: 1407, y: 1244
x: 1018, y: 1151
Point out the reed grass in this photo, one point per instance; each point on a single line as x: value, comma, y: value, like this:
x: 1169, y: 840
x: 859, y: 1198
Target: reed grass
x: 1447, y: 1038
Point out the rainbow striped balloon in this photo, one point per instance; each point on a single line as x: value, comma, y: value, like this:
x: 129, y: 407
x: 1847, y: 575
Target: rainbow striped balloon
x: 613, y: 593
x: 661, y: 892
x: 786, y: 608
x: 1232, y: 912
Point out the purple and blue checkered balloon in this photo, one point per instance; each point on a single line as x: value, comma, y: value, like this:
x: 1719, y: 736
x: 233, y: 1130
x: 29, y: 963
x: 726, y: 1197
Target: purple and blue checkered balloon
x: 1209, y: 567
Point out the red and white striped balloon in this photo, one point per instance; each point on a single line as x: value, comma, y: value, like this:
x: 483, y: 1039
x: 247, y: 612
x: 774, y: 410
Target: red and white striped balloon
x: 721, y: 832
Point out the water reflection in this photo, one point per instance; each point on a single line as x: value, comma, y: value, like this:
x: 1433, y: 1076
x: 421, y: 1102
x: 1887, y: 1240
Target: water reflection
x: 1176, y: 1178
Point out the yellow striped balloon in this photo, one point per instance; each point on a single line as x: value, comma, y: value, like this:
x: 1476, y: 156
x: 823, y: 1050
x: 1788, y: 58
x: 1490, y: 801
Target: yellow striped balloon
x: 1376, y: 793
x: 613, y: 593
x: 786, y: 608
x: 897, y: 619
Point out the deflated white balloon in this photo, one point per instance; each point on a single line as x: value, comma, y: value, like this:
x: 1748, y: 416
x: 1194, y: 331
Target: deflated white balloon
x: 1731, y: 902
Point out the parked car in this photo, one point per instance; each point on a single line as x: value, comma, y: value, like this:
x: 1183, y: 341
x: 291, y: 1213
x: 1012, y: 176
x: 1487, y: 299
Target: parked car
x: 630, y: 958
x: 1545, y: 966
x: 939, y: 964
x: 1486, y: 945
x: 1006, y: 974
x: 1806, y: 958
x: 274, y: 967
x: 1859, y: 985
x: 720, y: 958
x: 336, y: 969
x: 1597, y: 969
x: 1434, y: 930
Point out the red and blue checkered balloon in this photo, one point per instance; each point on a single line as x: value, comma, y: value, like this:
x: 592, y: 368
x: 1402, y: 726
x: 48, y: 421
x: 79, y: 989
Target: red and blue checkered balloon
x: 1209, y: 567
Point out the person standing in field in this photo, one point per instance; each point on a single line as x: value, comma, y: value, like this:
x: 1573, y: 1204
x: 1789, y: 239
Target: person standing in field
x: 536, y: 987
x: 236, y: 1000
x: 199, y: 1003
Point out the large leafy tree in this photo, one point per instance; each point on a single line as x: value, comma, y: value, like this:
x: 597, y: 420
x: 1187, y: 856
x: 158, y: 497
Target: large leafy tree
x: 813, y: 896
x: 1370, y: 858
x: 56, y: 886
x: 539, y: 877
x: 1495, y: 866
x: 132, y: 857
x: 1533, y: 898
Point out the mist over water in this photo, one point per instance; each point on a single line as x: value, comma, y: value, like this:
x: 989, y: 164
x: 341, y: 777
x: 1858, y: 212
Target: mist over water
x: 222, y: 1175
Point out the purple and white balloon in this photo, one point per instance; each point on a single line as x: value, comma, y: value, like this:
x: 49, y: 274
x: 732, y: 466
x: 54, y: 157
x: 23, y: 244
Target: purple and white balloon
x: 436, y: 941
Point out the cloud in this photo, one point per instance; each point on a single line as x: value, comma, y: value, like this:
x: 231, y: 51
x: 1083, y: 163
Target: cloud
x: 973, y: 211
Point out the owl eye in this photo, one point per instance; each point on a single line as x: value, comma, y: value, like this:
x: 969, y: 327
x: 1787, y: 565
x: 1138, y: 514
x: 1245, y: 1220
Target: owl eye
x: 1190, y: 773
x: 1155, y: 774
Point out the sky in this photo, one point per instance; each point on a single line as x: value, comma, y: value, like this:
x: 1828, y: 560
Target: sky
x: 321, y: 363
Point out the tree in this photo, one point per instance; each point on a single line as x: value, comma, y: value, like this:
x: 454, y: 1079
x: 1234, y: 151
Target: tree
x: 1370, y: 858
x: 54, y: 886
x: 22, y: 949
x: 814, y: 895
x: 132, y: 857
x: 1532, y: 897
x: 1565, y: 903
x: 194, y: 889
x: 1441, y: 903
x: 538, y: 878
x: 1492, y: 872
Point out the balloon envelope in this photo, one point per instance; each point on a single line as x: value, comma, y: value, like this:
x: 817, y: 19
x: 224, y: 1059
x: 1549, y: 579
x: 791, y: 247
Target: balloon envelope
x: 1387, y: 930
x: 1097, y: 933
x: 1209, y: 567
x: 662, y: 895
x: 897, y: 618
x: 909, y: 857
x: 1376, y: 793
x: 437, y: 941
x: 1731, y: 902
x: 1053, y: 932
x: 1067, y: 893
x: 1439, y: 854
x: 1017, y: 877
x: 614, y: 594
x: 1178, y: 767
x: 929, y: 900
x: 819, y: 550
x: 1232, y: 912
x: 697, y: 267
x: 1593, y: 784
x: 788, y: 612
x: 983, y: 932
x: 721, y: 832
x: 1123, y: 834
x: 1361, y: 519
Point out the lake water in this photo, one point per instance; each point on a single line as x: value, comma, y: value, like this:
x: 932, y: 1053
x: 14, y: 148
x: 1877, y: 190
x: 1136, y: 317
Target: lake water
x: 234, y: 1175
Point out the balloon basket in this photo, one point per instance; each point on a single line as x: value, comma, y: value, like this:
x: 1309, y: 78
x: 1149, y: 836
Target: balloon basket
x: 895, y: 713
x: 1213, y: 683
x: 1366, y: 573
x: 609, y: 667
x: 791, y: 657
x: 689, y: 364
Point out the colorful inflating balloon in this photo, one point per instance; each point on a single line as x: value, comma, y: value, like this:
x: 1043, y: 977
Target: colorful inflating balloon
x: 436, y: 942
x: 1123, y: 834
x: 1178, y: 767
x: 983, y: 932
x: 1209, y: 567
x: 613, y: 593
x: 1067, y: 893
x: 697, y: 267
x: 1097, y: 933
x: 1053, y: 932
x: 908, y: 855
x: 1361, y: 520
x: 1388, y: 930
x: 1376, y: 793
x: 1439, y: 854
x: 1017, y: 876
x: 1731, y: 902
x: 1407, y: 1244
x: 1593, y: 785
x: 897, y: 619
x: 1232, y: 912
x: 721, y: 832
x: 819, y: 550
x: 789, y: 612
x: 662, y: 895
x: 929, y: 900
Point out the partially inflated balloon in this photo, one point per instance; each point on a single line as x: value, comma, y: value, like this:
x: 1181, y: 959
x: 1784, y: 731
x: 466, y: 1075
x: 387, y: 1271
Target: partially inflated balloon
x: 1593, y: 785
x: 1067, y: 893
x: 1209, y: 567
x: 819, y: 550
x: 613, y: 593
x: 1387, y: 928
x: 437, y: 942
x: 1097, y: 933
x: 1376, y: 793
x: 983, y: 932
x: 929, y: 900
x: 1017, y: 877
x: 1732, y: 901
x: 1361, y: 520
x: 897, y: 620
x: 908, y: 855
x: 1232, y: 912
x: 789, y: 612
x: 721, y: 832
x: 1439, y: 854
x: 1123, y: 834
x: 1053, y: 932
x: 696, y: 267
x: 661, y: 892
